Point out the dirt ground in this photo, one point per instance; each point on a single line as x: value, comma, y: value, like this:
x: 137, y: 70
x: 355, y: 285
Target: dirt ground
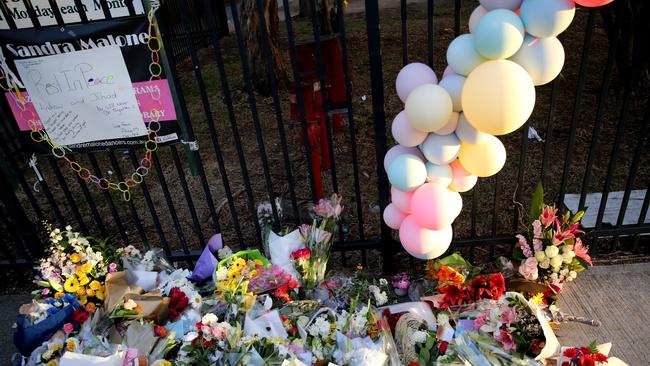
x: 493, y: 213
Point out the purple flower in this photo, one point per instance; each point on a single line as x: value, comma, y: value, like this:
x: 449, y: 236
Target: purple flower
x: 45, y: 291
x: 112, y: 268
x: 525, y: 248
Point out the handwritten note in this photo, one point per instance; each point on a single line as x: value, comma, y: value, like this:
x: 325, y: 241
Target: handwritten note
x: 83, y: 96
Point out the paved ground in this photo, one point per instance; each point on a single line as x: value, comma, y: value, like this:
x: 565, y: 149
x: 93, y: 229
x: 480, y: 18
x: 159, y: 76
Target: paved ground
x: 618, y: 296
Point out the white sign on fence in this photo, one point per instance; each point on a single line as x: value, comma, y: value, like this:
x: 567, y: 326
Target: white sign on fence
x: 83, y: 96
x: 67, y: 8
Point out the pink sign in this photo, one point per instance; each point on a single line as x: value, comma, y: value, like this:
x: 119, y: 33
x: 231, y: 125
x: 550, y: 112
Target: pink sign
x: 146, y: 93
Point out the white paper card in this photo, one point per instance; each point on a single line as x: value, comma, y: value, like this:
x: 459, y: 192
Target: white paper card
x: 83, y: 96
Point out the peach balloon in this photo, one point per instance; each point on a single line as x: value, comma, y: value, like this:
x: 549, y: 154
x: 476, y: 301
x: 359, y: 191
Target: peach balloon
x: 418, y: 240
x: 393, y: 217
x: 484, y: 159
x: 462, y: 181
x: 402, y: 200
x: 434, y: 206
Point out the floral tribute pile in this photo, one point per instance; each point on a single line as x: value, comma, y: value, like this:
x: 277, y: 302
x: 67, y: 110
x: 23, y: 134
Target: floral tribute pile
x: 104, y: 306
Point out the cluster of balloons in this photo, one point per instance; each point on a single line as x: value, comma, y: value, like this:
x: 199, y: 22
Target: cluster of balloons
x: 447, y: 130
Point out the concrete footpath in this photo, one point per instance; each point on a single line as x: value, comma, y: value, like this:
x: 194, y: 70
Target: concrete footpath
x: 618, y: 296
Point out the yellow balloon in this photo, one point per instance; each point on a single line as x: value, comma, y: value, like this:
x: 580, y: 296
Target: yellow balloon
x: 498, y: 97
x: 428, y: 107
x: 483, y: 159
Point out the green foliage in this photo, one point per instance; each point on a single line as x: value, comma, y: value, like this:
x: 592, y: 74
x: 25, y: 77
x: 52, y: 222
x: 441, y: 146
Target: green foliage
x: 537, y: 202
x: 578, y: 216
x: 578, y: 264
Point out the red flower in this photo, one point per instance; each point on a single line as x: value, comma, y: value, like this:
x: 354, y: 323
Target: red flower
x: 413, y: 363
x: 585, y: 350
x: 80, y: 316
x: 303, y: 253
x: 599, y: 357
x: 566, y: 363
x: 497, y: 285
x: 178, y: 301
x: 570, y: 353
x: 586, y: 360
x: 443, y: 346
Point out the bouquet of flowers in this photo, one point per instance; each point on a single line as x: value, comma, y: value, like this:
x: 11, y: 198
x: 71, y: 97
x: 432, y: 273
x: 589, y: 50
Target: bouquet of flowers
x: 583, y: 356
x: 74, y: 266
x: 318, y: 238
x: 554, y: 253
x: 400, y: 283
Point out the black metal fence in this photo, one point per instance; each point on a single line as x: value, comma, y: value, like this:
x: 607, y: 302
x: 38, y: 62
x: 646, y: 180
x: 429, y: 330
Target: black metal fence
x: 592, y: 122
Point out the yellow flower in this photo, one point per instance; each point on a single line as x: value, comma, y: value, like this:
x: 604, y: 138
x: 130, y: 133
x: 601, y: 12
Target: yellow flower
x: 81, y: 291
x: 71, y: 285
x: 59, y: 295
x: 239, y: 263
x: 90, y: 306
x: 538, y: 299
x: 83, y: 300
x: 70, y: 345
x: 258, y: 262
x: 252, y: 273
x: 57, y: 347
x: 90, y: 292
x: 161, y: 363
x: 52, y: 363
x: 84, y: 280
x: 247, y: 303
x: 95, y: 285
x: 75, y: 257
x: 100, y: 295
x: 86, y: 267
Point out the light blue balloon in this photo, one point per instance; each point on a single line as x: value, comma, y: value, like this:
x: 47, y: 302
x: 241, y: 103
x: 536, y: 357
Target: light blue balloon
x: 407, y: 172
x: 499, y: 34
x: 462, y: 57
x: 547, y: 18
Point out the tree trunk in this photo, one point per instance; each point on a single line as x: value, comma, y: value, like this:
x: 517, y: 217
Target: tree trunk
x: 254, y: 39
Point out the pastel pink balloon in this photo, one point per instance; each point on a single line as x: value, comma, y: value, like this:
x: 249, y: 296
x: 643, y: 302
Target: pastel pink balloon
x: 404, y: 133
x: 462, y: 181
x: 435, y: 253
x: 396, y: 150
x: 393, y: 217
x: 411, y: 76
x: 448, y: 71
x: 418, y: 240
x: 402, y: 200
x: 455, y: 203
x: 434, y: 206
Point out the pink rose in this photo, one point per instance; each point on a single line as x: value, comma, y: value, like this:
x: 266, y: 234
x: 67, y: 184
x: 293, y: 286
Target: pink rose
x: 528, y: 269
x: 112, y: 268
x: 68, y: 328
x: 480, y: 320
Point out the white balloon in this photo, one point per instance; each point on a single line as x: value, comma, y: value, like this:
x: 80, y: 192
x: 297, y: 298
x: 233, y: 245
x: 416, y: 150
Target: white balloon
x: 440, y: 174
x: 450, y: 126
x: 440, y: 149
x: 475, y: 17
x: 500, y: 4
x: 453, y: 84
x: 542, y: 58
x: 468, y: 133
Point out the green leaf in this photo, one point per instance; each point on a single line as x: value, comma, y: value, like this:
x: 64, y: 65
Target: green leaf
x: 429, y: 343
x: 425, y: 355
x: 537, y: 202
x: 454, y: 260
x: 578, y: 216
x: 578, y: 264
x: 593, y: 347
x: 567, y: 216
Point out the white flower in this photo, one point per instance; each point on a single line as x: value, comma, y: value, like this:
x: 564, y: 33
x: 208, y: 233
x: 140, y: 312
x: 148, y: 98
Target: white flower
x: 320, y: 327
x: 209, y: 319
x: 545, y: 263
x: 383, y: 282
x: 224, y: 252
x: 567, y: 248
x: 222, y: 273
x: 130, y: 304
x: 373, y: 289
x: 556, y: 261
x: 190, y: 336
x: 573, y: 274
x: 380, y: 298
x: 568, y: 257
x: 540, y: 256
x: 442, y: 318
x: 419, y: 336
x: 551, y: 251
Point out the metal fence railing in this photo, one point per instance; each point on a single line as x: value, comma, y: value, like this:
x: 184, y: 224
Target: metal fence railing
x: 592, y: 123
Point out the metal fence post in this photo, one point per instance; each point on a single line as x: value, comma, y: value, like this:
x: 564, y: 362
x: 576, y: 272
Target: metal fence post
x: 379, y: 122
